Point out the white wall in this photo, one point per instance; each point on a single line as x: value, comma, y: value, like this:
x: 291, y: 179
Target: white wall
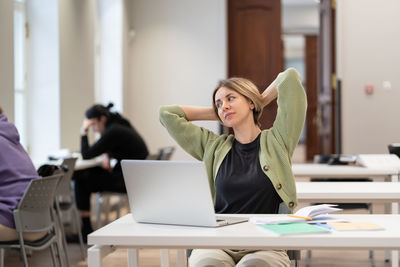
x: 369, y: 53
x: 43, y: 80
x: 177, y: 56
x: 76, y: 20
x: 111, y: 66
x: 7, y: 58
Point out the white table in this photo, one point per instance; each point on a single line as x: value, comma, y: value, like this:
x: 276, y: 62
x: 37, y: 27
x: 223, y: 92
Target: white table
x: 349, y: 192
x: 343, y: 171
x: 126, y: 233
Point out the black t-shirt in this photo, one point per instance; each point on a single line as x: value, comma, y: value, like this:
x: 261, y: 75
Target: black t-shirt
x: 241, y: 185
x: 119, y: 142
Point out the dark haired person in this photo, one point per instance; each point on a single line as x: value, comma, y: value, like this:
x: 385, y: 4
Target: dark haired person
x: 118, y: 140
x: 16, y: 172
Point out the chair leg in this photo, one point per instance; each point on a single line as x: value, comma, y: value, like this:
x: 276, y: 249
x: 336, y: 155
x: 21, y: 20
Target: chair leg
x: 1, y: 257
x: 99, y: 201
x: 119, y: 205
x: 22, y: 248
x: 78, y: 226
x: 308, y: 258
x: 106, y: 203
x: 53, y: 254
x: 61, y: 234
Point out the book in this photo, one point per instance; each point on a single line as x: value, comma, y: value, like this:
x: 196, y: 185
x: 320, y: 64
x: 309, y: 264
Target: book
x: 304, y: 214
x: 294, y: 228
x: 354, y: 226
x: 315, y: 210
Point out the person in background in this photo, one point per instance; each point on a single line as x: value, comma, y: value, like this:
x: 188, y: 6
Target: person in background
x: 250, y: 171
x: 118, y: 140
x: 16, y: 172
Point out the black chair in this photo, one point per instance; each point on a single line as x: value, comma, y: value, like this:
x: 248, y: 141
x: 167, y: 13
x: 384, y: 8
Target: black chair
x: 394, y: 149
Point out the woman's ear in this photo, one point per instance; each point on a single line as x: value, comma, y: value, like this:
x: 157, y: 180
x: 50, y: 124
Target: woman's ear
x: 252, y: 106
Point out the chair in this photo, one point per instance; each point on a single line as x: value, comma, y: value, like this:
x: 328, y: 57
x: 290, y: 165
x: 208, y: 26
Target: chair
x: 35, y: 213
x: 394, y: 149
x: 103, y: 198
x: 65, y: 201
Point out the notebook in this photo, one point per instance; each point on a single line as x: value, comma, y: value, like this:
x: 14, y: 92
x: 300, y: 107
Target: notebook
x: 171, y: 192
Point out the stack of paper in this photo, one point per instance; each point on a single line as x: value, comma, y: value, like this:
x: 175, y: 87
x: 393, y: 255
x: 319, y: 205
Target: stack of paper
x: 304, y: 214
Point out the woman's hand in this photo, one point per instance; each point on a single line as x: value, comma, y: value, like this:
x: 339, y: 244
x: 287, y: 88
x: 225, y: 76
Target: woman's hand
x: 85, y: 126
x: 105, y: 163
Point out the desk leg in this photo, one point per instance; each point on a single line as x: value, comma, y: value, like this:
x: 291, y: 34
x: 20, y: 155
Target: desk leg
x: 133, y: 257
x: 395, y: 258
x: 96, y: 254
x: 394, y: 210
x: 181, y: 258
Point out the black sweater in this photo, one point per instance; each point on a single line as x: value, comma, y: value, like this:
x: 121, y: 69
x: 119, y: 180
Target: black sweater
x: 119, y: 142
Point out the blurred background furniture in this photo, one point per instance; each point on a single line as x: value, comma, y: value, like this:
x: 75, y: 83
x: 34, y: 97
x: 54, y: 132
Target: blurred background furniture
x: 335, y: 160
x: 67, y: 211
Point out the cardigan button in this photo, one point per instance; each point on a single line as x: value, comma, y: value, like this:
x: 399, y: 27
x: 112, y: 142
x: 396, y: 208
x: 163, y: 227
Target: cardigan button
x: 266, y: 167
x: 291, y: 204
x: 278, y: 186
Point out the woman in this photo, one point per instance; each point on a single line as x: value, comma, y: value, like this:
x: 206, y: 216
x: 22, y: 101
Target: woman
x: 249, y: 171
x: 118, y: 140
x: 16, y: 172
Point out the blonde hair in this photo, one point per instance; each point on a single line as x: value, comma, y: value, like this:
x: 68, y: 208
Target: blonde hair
x: 244, y: 87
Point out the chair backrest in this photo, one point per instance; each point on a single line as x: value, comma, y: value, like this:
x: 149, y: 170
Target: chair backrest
x: 34, y: 211
x: 165, y: 153
x: 64, y: 189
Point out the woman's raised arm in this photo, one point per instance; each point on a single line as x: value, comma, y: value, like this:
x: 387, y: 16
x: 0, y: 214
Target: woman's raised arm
x: 196, y: 113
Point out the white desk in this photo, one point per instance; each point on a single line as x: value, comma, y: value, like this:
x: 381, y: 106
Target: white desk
x: 125, y: 233
x: 343, y: 171
x: 345, y: 192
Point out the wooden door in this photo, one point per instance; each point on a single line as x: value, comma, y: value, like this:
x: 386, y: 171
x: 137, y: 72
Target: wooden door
x: 254, y: 45
x: 311, y: 83
x: 326, y: 81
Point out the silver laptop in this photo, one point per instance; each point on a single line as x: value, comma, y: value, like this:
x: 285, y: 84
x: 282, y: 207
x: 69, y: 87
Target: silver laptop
x: 171, y: 192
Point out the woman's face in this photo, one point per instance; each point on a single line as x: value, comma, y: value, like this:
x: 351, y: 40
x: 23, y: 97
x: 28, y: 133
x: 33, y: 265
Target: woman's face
x: 99, y: 125
x: 233, y: 108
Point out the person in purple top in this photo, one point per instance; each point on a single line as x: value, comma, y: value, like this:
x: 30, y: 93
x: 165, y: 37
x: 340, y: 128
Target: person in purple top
x: 16, y: 172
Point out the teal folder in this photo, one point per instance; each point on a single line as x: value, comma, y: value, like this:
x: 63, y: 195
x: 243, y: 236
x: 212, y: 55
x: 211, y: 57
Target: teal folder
x: 294, y: 228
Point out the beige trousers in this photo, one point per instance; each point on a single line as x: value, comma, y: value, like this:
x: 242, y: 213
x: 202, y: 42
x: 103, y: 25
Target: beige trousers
x: 239, y: 258
x: 10, y: 234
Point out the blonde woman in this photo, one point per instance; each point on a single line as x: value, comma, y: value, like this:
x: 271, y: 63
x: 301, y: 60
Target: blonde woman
x: 249, y: 171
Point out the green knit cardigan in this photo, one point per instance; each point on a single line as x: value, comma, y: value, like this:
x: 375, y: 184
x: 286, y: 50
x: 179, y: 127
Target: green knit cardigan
x: 276, y: 144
